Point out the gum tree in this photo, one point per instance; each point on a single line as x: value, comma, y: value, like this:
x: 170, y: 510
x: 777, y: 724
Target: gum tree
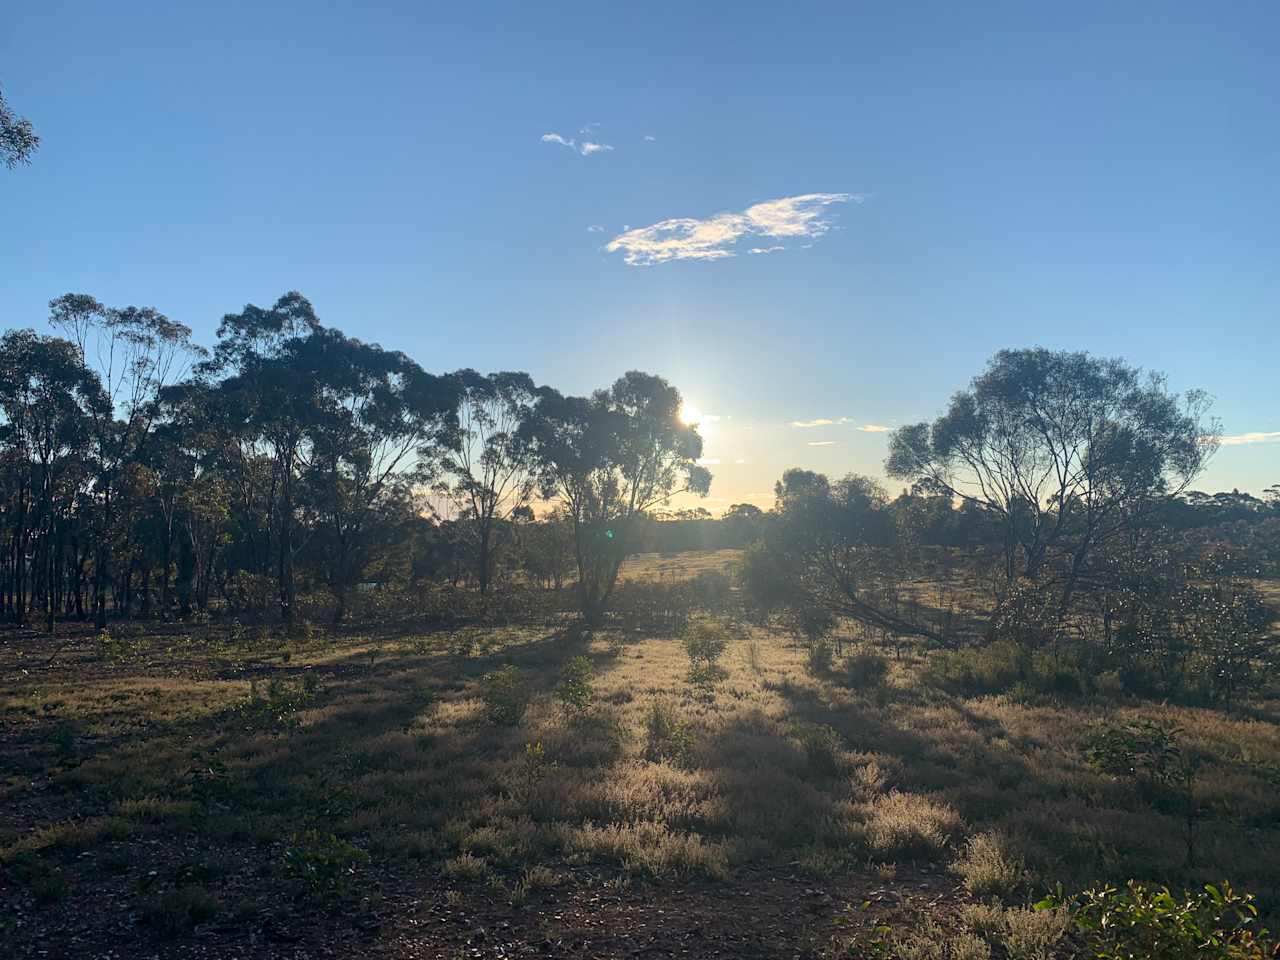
x: 608, y: 459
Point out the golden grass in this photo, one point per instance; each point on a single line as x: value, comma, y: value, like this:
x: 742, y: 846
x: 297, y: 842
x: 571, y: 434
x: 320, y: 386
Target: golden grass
x: 679, y: 566
x: 392, y: 751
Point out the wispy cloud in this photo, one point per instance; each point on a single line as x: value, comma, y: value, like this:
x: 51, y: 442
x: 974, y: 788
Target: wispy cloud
x: 650, y: 137
x: 1242, y: 438
x: 874, y: 428
x: 595, y: 228
x: 820, y: 422
x: 585, y: 147
x: 687, y: 238
x: 822, y: 443
x: 774, y: 249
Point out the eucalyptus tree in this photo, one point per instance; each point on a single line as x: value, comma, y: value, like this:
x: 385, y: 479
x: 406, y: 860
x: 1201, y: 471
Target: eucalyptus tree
x: 48, y: 401
x: 271, y: 397
x: 1064, y: 448
x: 18, y: 140
x: 489, y: 472
x: 379, y: 424
x: 608, y: 459
x: 834, y: 547
x: 135, y: 352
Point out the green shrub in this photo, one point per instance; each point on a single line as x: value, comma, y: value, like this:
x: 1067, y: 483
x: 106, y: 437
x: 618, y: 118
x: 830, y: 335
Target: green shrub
x: 505, y: 695
x: 1003, y: 665
x: 324, y: 862
x: 575, y: 691
x: 533, y: 767
x: 705, y: 641
x: 280, y: 706
x: 1152, y: 923
x: 667, y: 735
x: 1139, y: 748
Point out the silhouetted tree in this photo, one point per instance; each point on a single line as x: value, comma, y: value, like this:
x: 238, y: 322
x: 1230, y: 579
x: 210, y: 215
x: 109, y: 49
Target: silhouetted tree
x: 608, y: 459
x: 136, y: 352
x: 489, y: 471
x: 1067, y: 449
x: 832, y: 548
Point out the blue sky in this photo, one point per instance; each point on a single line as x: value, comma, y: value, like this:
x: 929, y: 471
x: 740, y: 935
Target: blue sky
x: 1098, y: 177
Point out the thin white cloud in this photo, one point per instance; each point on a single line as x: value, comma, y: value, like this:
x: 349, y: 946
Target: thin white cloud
x: 586, y: 147
x: 773, y: 249
x: 687, y: 238
x: 650, y: 137
x: 1242, y: 438
x: 595, y: 228
x: 822, y: 443
x: 874, y: 428
x: 819, y: 422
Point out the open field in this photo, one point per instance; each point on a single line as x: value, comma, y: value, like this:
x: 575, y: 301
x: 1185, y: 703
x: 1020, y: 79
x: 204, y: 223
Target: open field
x: 678, y: 566
x: 224, y: 791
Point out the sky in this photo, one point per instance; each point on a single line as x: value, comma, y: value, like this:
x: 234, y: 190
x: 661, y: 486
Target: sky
x: 817, y: 221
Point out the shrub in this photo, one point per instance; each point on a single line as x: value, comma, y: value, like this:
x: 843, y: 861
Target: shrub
x: 1004, y: 665
x: 666, y: 732
x: 1140, y: 748
x: 705, y: 641
x: 907, y: 825
x: 811, y: 622
x: 280, y: 707
x: 575, y: 691
x: 505, y: 695
x: 119, y: 647
x: 966, y: 946
x: 928, y: 943
x: 532, y: 769
x: 324, y: 862
x: 818, y: 657
x: 1032, y: 933
x: 1137, y: 921
x: 822, y: 747
x: 465, y: 867
x: 989, y: 867
x: 866, y: 668
x: 984, y: 919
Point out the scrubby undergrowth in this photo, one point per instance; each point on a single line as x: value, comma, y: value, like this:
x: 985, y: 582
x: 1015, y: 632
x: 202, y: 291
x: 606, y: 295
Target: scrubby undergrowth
x: 182, y: 782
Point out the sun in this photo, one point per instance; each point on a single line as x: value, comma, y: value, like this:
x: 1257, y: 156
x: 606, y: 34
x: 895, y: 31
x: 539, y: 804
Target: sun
x: 691, y: 415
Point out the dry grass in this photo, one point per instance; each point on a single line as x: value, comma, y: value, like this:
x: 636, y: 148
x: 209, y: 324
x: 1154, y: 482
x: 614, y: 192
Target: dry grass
x: 679, y: 566
x: 392, y: 751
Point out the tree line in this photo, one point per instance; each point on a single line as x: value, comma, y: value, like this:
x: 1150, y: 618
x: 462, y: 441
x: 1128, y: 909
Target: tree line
x: 143, y: 475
